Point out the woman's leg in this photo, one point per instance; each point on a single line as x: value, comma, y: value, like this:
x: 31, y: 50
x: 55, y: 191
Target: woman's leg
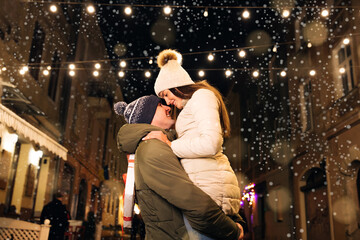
x: 193, y: 234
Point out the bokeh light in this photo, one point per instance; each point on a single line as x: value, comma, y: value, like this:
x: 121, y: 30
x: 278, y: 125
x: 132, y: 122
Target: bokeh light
x: 128, y: 10
x: 122, y: 64
x: 90, y: 9
x: 246, y: 14
x: 316, y: 33
x: 261, y: 39
x: 163, y: 31
x: 325, y: 13
x: 228, y: 73
x: 53, y: 8
x: 344, y: 210
x: 167, y: 10
x: 210, y: 57
x: 279, y: 199
x: 147, y: 74
x: 121, y: 74
x: 201, y: 73
x: 242, y: 53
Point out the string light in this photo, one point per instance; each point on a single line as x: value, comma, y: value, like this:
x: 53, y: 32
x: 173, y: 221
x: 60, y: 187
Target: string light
x: 285, y: 13
x: 72, y: 73
x: 309, y: 45
x: 72, y: 66
x: 246, y: 14
x: 228, y: 73
x: 90, y: 9
x: 342, y: 70
x: 206, y: 12
x: 121, y: 74
x: 274, y: 49
x: 147, y: 74
x: 325, y: 13
x: 122, y: 64
x: 48, y: 68
x: 46, y: 72
x: 283, y: 73
x: 210, y: 57
x: 242, y: 53
x: 3, y: 69
x: 97, y: 66
x: 53, y: 8
x: 312, y: 72
x: 96, y: 73
x: 128, y: 10
x: 255, y: 73
x: 167, y: 10
x: 201, y: 73
x: 249, y: 194
x: 151, y: 61
x: 25, y: 68
x: 346, y: 41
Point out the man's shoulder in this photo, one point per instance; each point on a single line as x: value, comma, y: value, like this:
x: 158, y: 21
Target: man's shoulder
x: 153, y: 148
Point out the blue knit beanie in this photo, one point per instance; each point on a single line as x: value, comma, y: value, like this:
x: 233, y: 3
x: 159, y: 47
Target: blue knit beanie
x: 141, y: 110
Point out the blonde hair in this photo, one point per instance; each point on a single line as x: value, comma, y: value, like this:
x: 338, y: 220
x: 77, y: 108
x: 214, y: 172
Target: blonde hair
x: 186, y: 92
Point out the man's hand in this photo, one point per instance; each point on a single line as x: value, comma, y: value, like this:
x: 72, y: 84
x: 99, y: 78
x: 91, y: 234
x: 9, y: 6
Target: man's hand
x: 158, y: 135
x: 242, y: 231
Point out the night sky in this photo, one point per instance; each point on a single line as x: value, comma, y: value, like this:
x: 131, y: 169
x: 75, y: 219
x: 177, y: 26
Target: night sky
x: 147, y: 31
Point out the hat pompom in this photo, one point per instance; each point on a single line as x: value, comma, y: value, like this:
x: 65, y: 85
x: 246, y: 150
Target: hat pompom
x: 120, y: 107
x: 167, y: 55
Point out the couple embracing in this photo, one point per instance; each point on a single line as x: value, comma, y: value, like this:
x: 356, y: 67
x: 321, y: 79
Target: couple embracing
x: 185, y: 186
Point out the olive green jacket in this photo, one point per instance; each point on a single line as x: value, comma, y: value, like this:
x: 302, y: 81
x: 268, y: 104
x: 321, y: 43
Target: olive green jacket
x: 165, y: 192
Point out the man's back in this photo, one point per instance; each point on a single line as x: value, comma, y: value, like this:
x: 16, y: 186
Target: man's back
x: 162, y: 188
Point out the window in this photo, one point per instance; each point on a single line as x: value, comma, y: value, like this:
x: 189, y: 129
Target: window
x: 36, y: 50
x: 343, y: 67
x: 306, y: 108
x: 53, y: 82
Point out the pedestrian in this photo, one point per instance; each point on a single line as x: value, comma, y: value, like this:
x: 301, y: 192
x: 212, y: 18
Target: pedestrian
x: 89, y: 226
x: 201, y: 125
x: 58, y: 215
x: 163, y: 189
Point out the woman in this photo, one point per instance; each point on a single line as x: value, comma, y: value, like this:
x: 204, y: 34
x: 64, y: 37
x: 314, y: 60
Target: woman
x: 201, y: 125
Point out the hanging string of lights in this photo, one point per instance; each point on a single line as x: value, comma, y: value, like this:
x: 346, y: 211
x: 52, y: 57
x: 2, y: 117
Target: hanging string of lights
x: 242, y: 52
x: 74, y: 66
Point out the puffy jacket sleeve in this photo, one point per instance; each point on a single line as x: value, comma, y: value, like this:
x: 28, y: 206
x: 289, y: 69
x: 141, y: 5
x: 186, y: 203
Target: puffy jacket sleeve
x: 163, y: 174
x: 204, y: 107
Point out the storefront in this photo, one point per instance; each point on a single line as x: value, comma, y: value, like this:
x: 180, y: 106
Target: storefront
x: 29, y: 165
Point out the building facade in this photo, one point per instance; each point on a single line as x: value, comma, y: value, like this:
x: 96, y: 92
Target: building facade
x: 58, y: 129
x: 304, y: 156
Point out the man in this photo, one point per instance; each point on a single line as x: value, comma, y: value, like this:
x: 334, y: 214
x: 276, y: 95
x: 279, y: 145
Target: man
x: 56, y: 212
x: 163, y: 189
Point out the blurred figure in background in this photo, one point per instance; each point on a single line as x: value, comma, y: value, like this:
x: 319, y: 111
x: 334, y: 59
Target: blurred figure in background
x: 56, y: 212
x: 90, y: 226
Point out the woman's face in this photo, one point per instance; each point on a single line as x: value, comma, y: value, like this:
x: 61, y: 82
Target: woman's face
x: 171, y: 99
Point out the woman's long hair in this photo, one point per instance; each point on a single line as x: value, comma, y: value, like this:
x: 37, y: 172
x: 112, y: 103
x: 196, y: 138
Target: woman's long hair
x: 186, y: 92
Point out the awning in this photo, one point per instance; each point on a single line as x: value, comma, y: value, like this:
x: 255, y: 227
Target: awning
x: 11, y: 119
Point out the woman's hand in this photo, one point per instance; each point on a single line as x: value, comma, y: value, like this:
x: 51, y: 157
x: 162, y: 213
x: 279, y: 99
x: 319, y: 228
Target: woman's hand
x: 242, y: 231
x: 158, y: 135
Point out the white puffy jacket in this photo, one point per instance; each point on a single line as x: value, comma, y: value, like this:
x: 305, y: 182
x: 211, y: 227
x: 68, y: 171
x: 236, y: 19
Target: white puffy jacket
x: 199, y: 145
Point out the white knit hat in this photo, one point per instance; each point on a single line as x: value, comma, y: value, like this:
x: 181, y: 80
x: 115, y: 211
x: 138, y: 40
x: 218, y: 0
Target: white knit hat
x: 171, y: 74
